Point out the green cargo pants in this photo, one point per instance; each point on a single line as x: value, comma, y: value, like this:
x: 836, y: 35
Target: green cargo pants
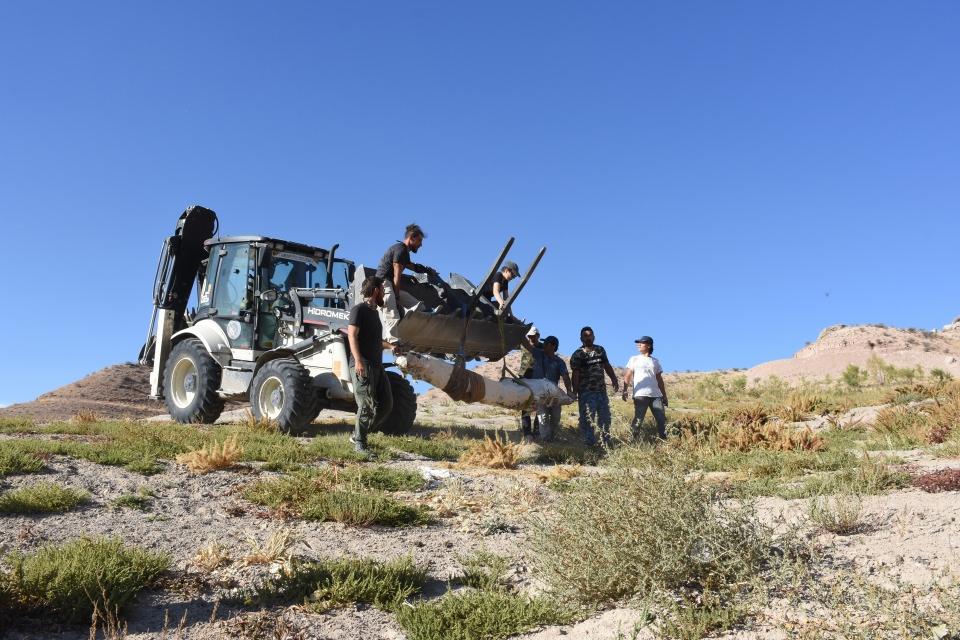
x: 374, y: 399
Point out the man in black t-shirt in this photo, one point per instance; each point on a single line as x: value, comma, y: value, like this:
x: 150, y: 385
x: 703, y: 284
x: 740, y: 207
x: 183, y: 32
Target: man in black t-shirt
x: 588, y: 364
x: 394, y: 261
x: 371, y: 387
x: 497, y: 290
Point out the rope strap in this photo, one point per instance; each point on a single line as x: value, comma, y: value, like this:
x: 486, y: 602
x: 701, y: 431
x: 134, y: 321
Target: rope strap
x: 465, y: 385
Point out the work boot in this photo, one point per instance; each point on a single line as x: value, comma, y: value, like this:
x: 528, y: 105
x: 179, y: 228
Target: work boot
x: 360, y: 447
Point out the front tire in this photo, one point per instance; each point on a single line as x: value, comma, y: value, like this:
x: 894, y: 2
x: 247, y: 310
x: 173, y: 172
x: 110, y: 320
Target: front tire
x: 282, y: 392
x: 191, y: 380
x: 404, y: 412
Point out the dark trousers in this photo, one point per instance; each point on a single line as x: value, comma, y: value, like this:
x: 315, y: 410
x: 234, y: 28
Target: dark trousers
x: 374, y: 399
x: 640, y: 406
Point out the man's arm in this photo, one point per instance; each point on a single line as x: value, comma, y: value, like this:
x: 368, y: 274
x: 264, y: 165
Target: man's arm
x: 526, y: 344
x: 627, y: 381
x: 397, y: 272
x: 566, y: 382
x: 353, y: 337
x: 663, y: 388
x: 497, y: 295
x: 613, y: 375
x: 576, y: 381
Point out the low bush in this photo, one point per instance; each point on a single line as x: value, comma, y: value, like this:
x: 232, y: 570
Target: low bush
x: 484, y: 571
x: 649, y: 529
x: 747, y: 415
x: 475, y: 615
x: 66, y: 582
x: 363, y: 508
x: 870, y: 477
x: 43, y: 497
x: 438, y: 447
x: 332, y: 583
x: 14, y: 459
x: 937, y: 481
x: 840, y: 514
x: 768, y: 436
x: 382, y: 478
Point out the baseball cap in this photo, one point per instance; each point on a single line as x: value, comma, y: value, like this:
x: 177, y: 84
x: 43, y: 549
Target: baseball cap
x: 510, y: 265
x: 646, y: 339
x: 553, y: 339
x: 533, y: 331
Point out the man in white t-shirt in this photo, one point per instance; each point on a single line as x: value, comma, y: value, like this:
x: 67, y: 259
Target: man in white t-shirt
x: 644, y: 376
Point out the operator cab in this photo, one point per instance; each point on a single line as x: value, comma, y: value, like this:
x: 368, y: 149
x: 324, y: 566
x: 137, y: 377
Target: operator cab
x: 248, y: 280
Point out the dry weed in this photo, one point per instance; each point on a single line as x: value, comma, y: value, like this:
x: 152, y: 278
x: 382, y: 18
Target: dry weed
x: 264, y: 425
x: 559, y: 473
x: 213, y: 556
x: 212, y: 457
x: 493, y: 453
x: 800, y: 406
x: 274, y: 549
x: 747, y: 415
x: 86, y: 416
x: 454, y: 498
x: 772, y: 436
x: 106, y: 621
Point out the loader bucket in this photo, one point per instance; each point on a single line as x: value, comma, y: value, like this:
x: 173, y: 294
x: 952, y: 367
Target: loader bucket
x: 440, y: 333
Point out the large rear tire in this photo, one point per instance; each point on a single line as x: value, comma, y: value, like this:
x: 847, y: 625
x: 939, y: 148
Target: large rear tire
x: 404, y: 412
x: 191, y: 379
x: 282, y: 392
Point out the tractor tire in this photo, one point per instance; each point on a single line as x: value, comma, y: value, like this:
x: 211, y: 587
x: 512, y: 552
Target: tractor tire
x: 401, y: 418
x: 283, y: 392
x: 191, y: 380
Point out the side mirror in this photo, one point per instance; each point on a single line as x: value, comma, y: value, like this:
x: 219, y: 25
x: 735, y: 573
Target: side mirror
x: 270, y: 295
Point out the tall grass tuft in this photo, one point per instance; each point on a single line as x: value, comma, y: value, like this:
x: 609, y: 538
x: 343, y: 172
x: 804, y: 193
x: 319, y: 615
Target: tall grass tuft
x: 212, y: 457
x: 43, y: 497
x: 493, y: 453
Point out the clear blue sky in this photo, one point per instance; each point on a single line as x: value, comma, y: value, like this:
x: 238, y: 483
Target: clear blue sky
x: 728, y: 177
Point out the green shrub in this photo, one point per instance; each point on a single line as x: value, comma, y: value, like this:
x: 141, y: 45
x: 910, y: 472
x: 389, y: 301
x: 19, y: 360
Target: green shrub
x: 870, y: 477
x: 382, y: 478
x: 43, y: 497
x: 14, y: 459
x: 854, y: 376
x: 66, y: 581
x: 333, y: 583
x: 478, y: 615
x: 648, y: 530
x: 485, y: 571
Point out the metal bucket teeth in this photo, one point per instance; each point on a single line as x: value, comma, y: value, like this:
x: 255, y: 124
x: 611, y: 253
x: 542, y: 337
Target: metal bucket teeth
x: 436, y: 333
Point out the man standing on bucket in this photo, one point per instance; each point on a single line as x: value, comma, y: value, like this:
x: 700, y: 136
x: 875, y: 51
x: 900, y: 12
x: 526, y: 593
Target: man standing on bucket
x: 588, y: 364
x: 645, y: 377
x: 394, y: 261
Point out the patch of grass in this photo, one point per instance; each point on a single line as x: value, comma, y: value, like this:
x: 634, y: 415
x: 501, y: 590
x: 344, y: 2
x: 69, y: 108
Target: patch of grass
x: 340, y: 449
x: 649, y: 530
x: 14, y: 459
x: 16, y: 425
x: 140, y: 500
x: 475, y: 615
x: 314, y: 496
x: 66, y: 581
x: 493, y: 453
x: 756, y: 435
x: 435, y: 448
x: 484, y: 571
x: 212, y: 457
x: 841, y: 514
x: 381, y: 478
x: 43, y: 497
x: 332, y: 583
x: 556, y: 453
x: 899, y: 427
x: 870, y: 477
x: 363, y: 508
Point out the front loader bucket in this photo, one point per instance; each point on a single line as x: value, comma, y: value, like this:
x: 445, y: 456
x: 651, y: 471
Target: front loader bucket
x: 438, y: 333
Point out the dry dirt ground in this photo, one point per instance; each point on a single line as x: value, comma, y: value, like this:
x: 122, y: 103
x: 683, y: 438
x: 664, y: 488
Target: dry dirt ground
x: 912, y: 535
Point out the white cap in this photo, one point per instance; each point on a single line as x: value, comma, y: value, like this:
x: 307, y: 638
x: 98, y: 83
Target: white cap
x: 533, y: 331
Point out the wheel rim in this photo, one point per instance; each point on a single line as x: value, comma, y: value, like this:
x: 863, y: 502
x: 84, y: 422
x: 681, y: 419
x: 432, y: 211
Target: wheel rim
x: 271, y: 397
x: 184, y: 382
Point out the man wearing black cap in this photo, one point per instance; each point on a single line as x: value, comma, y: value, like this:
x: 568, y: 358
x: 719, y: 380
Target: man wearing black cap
x: 588, y: 364
x: 645, y: 376
x: 497, y: 290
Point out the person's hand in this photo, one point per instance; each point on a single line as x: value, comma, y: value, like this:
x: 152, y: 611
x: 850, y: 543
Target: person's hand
x: 360, y: 368
x: 616, y: 385
x: 624, y: 393
x: 665, y: 401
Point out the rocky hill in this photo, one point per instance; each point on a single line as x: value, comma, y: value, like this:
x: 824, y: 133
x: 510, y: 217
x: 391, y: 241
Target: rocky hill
x: 839, y: 346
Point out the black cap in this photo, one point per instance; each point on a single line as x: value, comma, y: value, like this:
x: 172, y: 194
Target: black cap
x: 511, y: 266
x: 646, y: 339
x: 553, y: 339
